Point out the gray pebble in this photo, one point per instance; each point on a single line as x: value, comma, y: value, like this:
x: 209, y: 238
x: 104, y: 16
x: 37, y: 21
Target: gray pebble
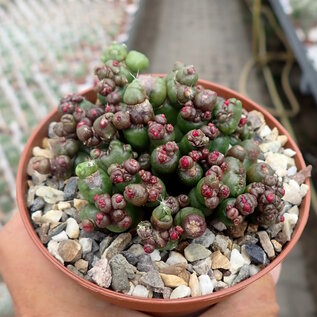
x: 56, y: 230
x: 104, y: 244
x: 256, y: 253
x: 221, y: 243
x: 131, y: 258
x: 117, y: 245
x: 146, y: 264
x: 195, y: 252
x: 153, y: 280
x: 96, y: 235
x: 244, y: 273
x: 120, y: 281
x: 74, y: 270
x: 42, y: 232
x: 248, y: 239
x: 73, y: 213
x: 71, y: 188
x: 206, y: 239
x: 37, y: 204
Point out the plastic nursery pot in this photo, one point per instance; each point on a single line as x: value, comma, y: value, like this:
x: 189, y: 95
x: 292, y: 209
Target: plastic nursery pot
x: 176, y: 307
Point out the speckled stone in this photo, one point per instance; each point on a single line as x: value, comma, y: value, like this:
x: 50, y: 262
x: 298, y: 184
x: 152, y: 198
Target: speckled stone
x: 195, y: 252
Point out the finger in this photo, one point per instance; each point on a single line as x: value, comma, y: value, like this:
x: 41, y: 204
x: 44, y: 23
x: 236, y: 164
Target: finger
x: 40, y: 289
x: 257, y: 299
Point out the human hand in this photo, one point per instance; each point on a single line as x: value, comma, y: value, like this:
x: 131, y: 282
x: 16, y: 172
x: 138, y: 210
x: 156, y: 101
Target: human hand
x: 38, y: 289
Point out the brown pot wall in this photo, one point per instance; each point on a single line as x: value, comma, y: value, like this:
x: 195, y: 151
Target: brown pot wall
x: 178, y: 307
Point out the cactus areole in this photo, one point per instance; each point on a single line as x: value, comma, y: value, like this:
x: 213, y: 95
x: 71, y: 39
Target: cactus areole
x: 161, y: 157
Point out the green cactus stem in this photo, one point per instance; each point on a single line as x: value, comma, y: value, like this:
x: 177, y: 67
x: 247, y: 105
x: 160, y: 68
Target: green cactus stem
x: 228, y: 114
x: 169, y: 111
x: 234, y: 176
x: 192, y: 221
x: 164, y: 159
x: 96, y: 183
x: 258, y: 171
x: 136, y: 61
x: 161, y: 218
x: 180, y: 83
x: 164, y: 240
x: 137, y: 137
x: 252, y: 152
x: 104, y: 128
x: 159, y: 131
x: 220, y: 143
x: 205, y: 100
x: 189, y: 172
x: 190, y: 118
x: 156, y: 190
x: 115, y: 51
x: 193, y: 140
x: 124, y: 174
x: 155, y: 88
x: 117, y: 152
x: 194, y: 202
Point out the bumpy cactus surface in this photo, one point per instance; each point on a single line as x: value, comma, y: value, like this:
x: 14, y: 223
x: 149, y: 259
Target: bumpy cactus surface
x: 161, y: 157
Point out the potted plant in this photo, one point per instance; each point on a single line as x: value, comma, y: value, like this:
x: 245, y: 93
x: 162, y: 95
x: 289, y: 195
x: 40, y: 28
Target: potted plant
x: 163, y: 194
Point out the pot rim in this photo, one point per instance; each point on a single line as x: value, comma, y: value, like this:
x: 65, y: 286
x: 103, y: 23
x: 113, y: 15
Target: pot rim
x: 223, y: 92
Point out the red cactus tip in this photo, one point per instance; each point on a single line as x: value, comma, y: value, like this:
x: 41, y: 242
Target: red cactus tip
x: 195, y: 133
x: 227, y: 102
x: 119, y: 199
x: 270, y: 197
x: 243, y: 121
x: 184, y: 162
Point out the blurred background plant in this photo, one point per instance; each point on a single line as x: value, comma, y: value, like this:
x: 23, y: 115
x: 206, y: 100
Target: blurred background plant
x: 47, y: 49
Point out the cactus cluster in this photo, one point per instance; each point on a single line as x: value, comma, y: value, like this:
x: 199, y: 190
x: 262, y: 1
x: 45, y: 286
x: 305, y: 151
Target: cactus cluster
x: 162, y: 156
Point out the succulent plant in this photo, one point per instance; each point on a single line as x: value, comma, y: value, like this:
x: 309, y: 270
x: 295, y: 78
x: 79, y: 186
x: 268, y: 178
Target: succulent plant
x: 163, y: 156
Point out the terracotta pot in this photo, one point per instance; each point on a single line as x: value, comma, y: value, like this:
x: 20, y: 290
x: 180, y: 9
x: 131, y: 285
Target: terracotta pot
x: 178, y: 307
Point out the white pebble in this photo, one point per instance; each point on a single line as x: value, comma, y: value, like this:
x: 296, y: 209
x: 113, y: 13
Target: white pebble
x: 229, y: 279
x: 293, y: 183
x: 52, y: 248
x: 36, y: 216
x: 176, y: 258
x: 52, y: 216
x: 155, y: 255
x: 236, y: 261
x: 265, y: 131
x: 206, y: 285
x: 49, y: 194
x: 140, y: 291
x: 289, y: 223
x: 289, y: 152
x: 294, y: 210
x: 37, y: 151
x: 72, y: 228
x: 304, y: 190
x: 180, y: 292
x: 60, y: 237
x: 273, y: 146
x: 292, y: 194
x: 62, y: 205
x: 292, y: 171
x: 253, y: 269
x: 86, y: 244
